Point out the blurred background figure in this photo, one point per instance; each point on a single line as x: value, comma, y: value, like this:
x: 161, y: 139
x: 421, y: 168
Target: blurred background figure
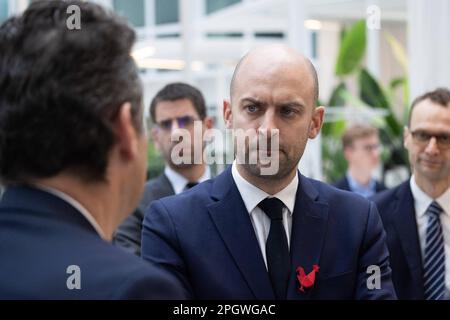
x: 361, y: 147
x: 176, y: 106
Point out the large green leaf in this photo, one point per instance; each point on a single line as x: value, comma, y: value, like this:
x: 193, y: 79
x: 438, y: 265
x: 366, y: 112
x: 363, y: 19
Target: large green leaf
x: 336, y: 98
x: 352, y: 50
x: 397, y: 82
x: 373, y: 95
x: 399, y: 51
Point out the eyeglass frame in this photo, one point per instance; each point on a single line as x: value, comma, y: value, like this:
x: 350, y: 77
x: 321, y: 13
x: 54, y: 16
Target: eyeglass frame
x: 167, y: 124
x: 426, y: 141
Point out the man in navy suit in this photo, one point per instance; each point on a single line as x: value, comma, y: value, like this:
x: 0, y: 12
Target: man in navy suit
x: 254, y: 233
x: 72, y: 157
x: 175, y: 106
x: 418, y: 239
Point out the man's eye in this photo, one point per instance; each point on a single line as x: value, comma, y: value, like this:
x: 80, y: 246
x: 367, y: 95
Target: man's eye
x: 445, y: 138
x: 287, y: 111
x: 251, y: 108
x: 423, y: 136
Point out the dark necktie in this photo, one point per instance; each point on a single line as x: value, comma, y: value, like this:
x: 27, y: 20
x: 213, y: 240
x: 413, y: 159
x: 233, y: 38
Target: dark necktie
x: 277, y: 250
x: 434, y: 259
x: 190, y: 185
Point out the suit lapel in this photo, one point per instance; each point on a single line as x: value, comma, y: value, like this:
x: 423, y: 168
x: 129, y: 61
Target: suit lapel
x: 404, y: 221
x: 235, y: 228
x: 308, y: 234
x: 164, y: 186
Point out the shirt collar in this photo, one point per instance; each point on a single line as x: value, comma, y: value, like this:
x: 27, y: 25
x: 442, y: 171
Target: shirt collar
x: 74, y: 203
x: 360, y: 189
x: 179, y: 182
x: 422, y: 201
x: 252, y: 195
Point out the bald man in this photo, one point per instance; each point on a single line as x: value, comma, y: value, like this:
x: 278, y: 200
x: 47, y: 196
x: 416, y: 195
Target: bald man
x: 261, y: 230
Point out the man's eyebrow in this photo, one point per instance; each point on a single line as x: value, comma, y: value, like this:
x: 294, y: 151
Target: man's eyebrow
x: 252, y: 100
x: 295, y: 104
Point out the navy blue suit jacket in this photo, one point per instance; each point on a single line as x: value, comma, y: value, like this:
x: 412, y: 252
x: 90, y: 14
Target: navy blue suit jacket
x: 205, y: 237
x: 397, y: 211
x: 41, y: 236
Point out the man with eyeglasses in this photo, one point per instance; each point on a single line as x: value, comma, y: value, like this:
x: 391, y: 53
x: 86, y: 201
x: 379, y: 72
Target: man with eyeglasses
x: 416, y: 214
x: 175, y: 107
x: 361, y: 146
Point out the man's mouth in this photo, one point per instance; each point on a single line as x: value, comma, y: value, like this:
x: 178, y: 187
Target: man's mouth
x: 431, y: 162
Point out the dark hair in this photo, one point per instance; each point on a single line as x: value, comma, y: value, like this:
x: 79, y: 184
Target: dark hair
x: 177, y: 91
x: 60, y: 90
x: 440, y: 96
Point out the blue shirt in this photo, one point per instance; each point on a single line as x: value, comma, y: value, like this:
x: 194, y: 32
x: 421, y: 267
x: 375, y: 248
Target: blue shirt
x: 365, y: 191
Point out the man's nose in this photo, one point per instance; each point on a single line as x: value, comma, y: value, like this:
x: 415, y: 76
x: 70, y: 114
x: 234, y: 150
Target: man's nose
x: 432, y: 146
x: 269, y: 122
x: 174, y: 130
x: 174, y: 126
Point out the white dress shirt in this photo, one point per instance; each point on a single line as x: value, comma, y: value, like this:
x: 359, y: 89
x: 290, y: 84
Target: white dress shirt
x: 74, y: 203
x: 179, y: 182
x: 421, y: 202
x: 252, y: 196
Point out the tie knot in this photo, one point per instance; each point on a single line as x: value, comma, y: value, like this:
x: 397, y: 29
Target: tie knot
x: 434, y: 210
x: 191, y: 185
x: 273, y: 208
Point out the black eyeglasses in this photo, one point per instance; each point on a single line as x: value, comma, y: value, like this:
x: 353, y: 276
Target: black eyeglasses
x: 423, y: 138
x: 183, y: 122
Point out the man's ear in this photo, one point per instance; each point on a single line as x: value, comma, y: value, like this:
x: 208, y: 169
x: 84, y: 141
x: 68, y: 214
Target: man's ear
x: 126, y: 133
x: 316, y: 122
x: 208, y: 122
x: 406, y: 133
x: 227, y: 114
x: 155, y: 138
x: 346, y: 153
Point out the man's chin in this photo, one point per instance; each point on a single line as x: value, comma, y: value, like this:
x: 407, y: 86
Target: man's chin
x: 432, y: 173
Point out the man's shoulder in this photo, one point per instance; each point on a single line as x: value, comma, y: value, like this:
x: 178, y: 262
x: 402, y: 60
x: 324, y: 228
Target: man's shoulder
x: 194, y: 197
x: 387, y: 196
x: 341, y: 183
x: 154, y: 189
x: 194, y: 203
x: 155, y: 183
x: 336, y: 196
x: 342, y: 205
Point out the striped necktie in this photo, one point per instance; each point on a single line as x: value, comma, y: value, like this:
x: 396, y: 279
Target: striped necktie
x: 434, y: 260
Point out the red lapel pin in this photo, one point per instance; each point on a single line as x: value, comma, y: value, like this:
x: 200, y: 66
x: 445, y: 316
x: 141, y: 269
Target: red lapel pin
x: 306, y: 280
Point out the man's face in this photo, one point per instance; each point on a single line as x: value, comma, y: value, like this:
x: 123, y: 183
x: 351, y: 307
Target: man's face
x: 364, y: 153
x: 170, y: 118
x: 429, y: 161
x: 279, y: 97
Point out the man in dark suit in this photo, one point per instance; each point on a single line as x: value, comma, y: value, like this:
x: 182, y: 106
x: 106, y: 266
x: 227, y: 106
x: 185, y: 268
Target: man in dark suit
x: 176, y: 106
x: 72, y: 157
x: 261, y: 230
x: 416, y: 214
x: 361, y: 146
